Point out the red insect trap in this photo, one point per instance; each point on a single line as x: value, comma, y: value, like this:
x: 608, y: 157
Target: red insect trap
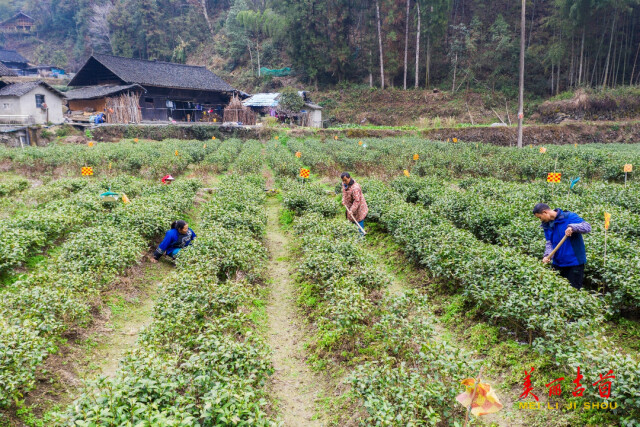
x: 167, y: 179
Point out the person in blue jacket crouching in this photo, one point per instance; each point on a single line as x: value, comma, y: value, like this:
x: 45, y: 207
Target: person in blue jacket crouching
x: 180, y: 236
x: 570, y: 259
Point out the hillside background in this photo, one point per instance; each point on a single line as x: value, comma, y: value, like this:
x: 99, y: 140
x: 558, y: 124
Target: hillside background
x: 468, y: 46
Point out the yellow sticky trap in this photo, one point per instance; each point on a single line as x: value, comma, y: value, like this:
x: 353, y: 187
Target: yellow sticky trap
x: 335, y: 137
x: 90, y: 143
x: 298, y: 154
x: 135, y: 139
x: 276, y: 137
x: 607, y: 220
x: 554, y: 177
x: 455, y: 139
x: 575, y: 145
x: 125, y: 199
x: 543, y: 150
x: 87, y: 171
x: 204, y: 146
x: 628, y: 168
x: 176, y: 152
x: 416, y: 157
x: 109, y: 165
x: 406, y: 173
x: 359, y: 142
x: 213, y: 138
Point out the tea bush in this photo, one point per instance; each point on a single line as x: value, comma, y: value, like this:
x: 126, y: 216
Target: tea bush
x: 13, y: 186
x: 510, y: 288
x: 57, y: 295
x: 389, y: 338
x: 500, y: 213
x: 201, y: 362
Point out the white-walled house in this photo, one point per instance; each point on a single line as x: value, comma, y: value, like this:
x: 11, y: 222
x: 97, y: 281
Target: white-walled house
x: 31, y: 103
x: 267, y: 103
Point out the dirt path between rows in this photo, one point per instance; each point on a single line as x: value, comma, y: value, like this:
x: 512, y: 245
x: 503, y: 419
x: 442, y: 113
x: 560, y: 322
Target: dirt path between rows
x: 294, y: 384
x: 125, y: 310
x: 128, y: 322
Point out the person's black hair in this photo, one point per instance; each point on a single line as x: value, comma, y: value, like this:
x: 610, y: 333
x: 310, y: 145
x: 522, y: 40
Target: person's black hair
x: 540, y: 207
x: 178, y: 225
x: 345, y: 175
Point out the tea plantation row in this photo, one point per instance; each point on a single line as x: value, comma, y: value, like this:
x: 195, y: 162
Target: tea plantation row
x: 36, y: 309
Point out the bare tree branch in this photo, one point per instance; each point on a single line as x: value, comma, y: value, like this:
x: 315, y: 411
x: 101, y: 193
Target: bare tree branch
x: 99, y: 30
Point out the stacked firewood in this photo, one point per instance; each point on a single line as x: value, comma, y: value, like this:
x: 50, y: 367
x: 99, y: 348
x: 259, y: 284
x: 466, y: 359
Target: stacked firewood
x: 236, y: 112
x: 123, y: 109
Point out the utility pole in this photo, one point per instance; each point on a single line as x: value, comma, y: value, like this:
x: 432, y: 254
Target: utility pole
x: 521, y: 97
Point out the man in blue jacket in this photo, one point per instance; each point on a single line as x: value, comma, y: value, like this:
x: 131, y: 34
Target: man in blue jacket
x: 569, y: 260
x: 180, y: 236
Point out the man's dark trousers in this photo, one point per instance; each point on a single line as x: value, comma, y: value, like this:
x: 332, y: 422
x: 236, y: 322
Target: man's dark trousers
x: 574, y: 274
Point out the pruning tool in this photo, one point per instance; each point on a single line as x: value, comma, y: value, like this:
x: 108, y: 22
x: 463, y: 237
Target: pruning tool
x: 354, y: 220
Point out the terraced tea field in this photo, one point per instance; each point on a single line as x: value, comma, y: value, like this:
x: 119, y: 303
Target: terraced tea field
x: 281, y: 313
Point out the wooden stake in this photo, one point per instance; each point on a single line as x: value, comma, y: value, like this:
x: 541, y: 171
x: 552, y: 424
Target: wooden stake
x: 469, y: 111
x: 499, y: 118
x: 555, y: 166
x: 605, y: 245
x: 604, y: 285
x: 473, y: 396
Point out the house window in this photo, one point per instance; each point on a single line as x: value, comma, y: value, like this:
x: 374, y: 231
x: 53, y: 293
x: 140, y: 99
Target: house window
x: 5, y: 106
x: 39, y: 101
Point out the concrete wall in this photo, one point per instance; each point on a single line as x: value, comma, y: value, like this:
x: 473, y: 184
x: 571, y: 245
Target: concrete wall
x: 53, y: 101
x: 316, y: 118
x: 9, y: 106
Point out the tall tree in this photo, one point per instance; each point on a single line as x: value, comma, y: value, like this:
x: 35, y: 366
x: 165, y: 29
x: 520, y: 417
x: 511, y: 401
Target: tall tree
x: 202, y: 5
x: 237, y: 39
x: 380, y: 44
x: 99, y: 30
x: 521, y: 84
x: 406, y: 44
x: 606, y: 64
x: 436, y: 15
x: 417, y: 45
x: 260, y: 25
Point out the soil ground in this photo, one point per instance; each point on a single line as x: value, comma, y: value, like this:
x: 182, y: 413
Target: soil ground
x: 97, y: 350
x: 295, y: 386
x: 573, y: 132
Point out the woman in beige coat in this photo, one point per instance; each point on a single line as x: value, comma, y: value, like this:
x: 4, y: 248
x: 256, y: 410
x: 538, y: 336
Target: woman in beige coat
x: 353, y: 200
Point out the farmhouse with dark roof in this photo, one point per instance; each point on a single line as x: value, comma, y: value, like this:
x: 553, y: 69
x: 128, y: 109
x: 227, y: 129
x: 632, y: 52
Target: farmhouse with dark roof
x: 20, y: 23
x: 166, y: 91
x: 14, y: 61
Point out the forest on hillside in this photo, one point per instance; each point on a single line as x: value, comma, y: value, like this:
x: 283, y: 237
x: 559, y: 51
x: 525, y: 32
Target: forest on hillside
x: 452, y: 44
